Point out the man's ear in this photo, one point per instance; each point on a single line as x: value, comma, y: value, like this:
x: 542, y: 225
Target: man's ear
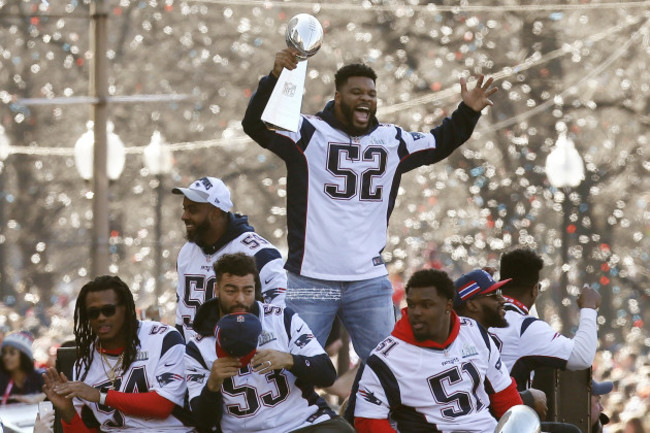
x: 535, y: 291
x: 471, y: 306
x: 450, y: 305
x: 337, y: 97
x: 217, y: 214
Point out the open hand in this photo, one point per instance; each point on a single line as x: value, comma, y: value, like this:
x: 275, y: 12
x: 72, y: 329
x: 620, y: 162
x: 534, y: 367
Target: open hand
x: 52, y: 379
x: 479, y: 97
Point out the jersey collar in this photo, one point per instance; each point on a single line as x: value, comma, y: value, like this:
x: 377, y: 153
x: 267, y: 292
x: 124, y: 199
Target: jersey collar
x: 403, y: 331
x: 516, y: 303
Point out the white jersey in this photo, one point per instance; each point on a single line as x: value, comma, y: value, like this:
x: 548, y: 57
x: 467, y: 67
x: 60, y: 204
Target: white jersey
x: 196, y: 273
x: 276, y: 402
x: 528, y: 343
x: 341, y: 189
x: 158, y: 367
x: 425, y: 389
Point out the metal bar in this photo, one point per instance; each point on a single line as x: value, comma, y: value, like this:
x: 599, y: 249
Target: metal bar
x: 99, y: 89
x: 72, y: 100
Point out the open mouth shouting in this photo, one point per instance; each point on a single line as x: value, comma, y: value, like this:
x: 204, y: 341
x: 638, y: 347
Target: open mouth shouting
x: 361, y: 116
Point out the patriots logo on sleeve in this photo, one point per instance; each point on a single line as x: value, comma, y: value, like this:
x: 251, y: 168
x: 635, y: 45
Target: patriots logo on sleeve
x: 304, y: 339
x: 417, y: 135
x: 271, y: 294
x: 369, y: 396
x: 167, y: 378
x: 196, y: 377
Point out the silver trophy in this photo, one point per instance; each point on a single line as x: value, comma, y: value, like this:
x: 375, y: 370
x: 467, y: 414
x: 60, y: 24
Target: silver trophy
x: 519, y: 419
x: 282, y: 112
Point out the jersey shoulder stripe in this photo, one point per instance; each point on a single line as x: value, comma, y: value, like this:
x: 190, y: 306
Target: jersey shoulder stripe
x: 486, y: 337
x: 387, y: 379
x: 402, y: 150
x: 288, y: 318
x: 170, y: 340
x: 526, y: 323
x: 263, y: 256
x: 193, y: 352
x: 307, y: 131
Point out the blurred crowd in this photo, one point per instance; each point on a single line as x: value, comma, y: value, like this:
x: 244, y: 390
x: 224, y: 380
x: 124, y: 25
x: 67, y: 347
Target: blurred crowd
x: 627, y: 365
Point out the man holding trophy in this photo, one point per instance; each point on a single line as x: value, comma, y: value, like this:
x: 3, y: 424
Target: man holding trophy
x: 343, y: 173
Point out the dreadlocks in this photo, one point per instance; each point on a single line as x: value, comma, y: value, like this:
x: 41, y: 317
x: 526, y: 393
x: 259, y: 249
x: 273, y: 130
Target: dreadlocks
x: 84, y: 337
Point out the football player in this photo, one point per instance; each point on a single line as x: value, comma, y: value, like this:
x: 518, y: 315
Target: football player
x: 258, y: 370
x: 529, y: 342
x: 343, y: 174
x: 128, y: 374
x: 479, y: 297
x: 212, y: 231
x: 436, y: 371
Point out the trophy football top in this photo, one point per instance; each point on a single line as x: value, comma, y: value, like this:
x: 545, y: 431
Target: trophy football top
x: 305, y: 35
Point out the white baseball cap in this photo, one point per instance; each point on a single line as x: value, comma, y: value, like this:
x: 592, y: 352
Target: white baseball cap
x: 207, y: 190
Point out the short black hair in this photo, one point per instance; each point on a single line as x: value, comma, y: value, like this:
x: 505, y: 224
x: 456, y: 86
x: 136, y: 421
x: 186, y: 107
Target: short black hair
x: 353, y: 70
x: 238, y: 264
x: 523, y: 265
x: 432, y: 278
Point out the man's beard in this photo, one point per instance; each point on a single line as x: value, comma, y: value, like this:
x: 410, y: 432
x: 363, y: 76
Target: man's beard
x: 348, y: 114
x: 232, y: 308
x: 239, y: 307
x: 199, y: 233
x: 493, y: 319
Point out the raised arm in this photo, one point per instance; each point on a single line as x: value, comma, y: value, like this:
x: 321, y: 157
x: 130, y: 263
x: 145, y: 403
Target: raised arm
x: 585, y: 341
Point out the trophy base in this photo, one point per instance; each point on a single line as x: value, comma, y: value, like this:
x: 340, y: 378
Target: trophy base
x: 282, y: 111
x: 272, y: 127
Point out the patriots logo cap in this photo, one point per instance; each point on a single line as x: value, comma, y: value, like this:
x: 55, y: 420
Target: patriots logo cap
x: 473, y: 284
x: 207, y: 190
x: 237, y: 336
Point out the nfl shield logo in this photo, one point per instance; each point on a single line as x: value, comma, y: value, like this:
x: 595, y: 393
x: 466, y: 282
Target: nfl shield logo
x: 289, y: 89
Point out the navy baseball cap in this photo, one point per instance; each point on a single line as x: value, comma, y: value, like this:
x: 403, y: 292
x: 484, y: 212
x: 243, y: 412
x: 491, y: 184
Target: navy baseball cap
x: 237, y: 335
x: 601, y: 388
x: 473, y: 284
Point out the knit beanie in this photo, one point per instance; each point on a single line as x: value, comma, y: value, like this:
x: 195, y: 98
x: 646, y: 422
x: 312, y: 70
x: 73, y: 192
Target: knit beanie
x: 22, y: 341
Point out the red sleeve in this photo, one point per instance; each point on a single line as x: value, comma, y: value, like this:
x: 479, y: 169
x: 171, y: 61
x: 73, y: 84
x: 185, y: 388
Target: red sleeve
x: 144, y: 404
x: 369, y: 425
x: 501, y: 401
x: 76, y: 425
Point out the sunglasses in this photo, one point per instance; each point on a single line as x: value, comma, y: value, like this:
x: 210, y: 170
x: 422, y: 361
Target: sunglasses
x: 496, y: 294
x: 106, y: 310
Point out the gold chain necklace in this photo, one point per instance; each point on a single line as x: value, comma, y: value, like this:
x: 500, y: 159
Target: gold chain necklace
x: 111, y: 373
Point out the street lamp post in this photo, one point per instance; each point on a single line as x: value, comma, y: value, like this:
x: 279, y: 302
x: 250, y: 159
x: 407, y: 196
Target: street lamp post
x: 159, y: 161
x: 4, y: 153
x: 565, y: 171
x: 114, y: 157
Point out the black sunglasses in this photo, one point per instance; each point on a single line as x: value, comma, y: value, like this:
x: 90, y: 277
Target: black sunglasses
x: 107, y: 310
x: 496, y: 294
